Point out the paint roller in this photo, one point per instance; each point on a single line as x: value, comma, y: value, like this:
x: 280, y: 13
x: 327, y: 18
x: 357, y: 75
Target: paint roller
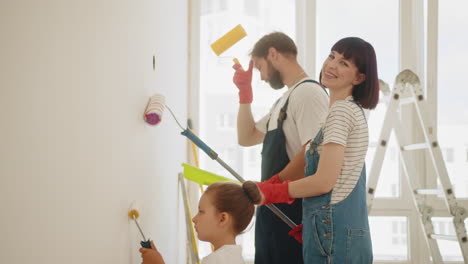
x: 156, y: 105
x: 154, y: 109
x: 133, y: 214
x: 228, y: 40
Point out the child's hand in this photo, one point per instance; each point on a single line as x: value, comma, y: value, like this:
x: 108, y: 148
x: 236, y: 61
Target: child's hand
x: 151, y: 256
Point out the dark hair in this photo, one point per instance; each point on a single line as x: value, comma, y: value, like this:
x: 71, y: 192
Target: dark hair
x: 278, y: 40
x: 235, y: 200
x: 363, y: 55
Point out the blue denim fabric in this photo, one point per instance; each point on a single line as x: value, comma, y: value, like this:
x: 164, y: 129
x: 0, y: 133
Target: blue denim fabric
x: 273, y: 245
x: 335, y: 233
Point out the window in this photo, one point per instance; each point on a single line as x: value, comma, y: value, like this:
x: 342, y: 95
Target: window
x: 394, y: 226
x: 253, y: 155
x: 448, y: 154
x: 226, y: 121
x: 218, y: 127
x: 213, y: 6
x: 449, y: 249
x: 335, y: 23
x: 390, y: 241
x: 452, y: 111
x: 251, y: 8
x: 349, y: 20
x: 452, y: 90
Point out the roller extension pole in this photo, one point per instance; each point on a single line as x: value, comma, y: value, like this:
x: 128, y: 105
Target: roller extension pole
x: 213, y: 155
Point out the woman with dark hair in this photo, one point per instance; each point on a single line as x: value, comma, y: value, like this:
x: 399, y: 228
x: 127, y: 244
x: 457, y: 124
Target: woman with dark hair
x: 335, y: 221
x: 224, y: 211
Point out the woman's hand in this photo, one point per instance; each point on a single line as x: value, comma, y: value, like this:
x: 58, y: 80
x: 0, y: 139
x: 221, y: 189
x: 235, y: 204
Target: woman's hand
x: 274, y: 192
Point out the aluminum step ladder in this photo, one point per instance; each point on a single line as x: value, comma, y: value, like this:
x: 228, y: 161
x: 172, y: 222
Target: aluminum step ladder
x: 407, y: 90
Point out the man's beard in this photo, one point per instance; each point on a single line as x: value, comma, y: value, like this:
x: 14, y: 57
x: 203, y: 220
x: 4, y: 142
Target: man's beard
x: 274, y: 78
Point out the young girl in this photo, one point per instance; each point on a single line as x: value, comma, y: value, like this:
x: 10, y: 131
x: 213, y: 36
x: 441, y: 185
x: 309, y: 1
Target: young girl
x: 225, y: 209
x: 335, y: 221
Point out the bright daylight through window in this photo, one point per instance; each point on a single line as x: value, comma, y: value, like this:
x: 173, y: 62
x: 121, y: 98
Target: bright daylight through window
x: 218, y: 100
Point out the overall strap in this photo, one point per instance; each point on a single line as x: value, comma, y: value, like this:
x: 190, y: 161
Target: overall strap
x: 282, y: 115
x: 318, y: 139
x: 274, y: 105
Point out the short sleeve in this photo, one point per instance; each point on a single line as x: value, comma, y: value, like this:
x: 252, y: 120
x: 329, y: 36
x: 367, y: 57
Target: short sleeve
x: 339, y: 123
x: 309, y: 109
x: 261, y: 124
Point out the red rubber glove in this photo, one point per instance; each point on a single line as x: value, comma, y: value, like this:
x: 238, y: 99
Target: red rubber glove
x: 296, y: 233
x: 274, y: 179
x: 243, y: 80
x: 275, y: 192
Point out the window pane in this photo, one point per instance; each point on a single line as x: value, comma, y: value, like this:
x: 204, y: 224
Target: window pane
x: 389, y: 237
x: 349, y: 20
x: 453, y: 91
x: 218, y: 95
x: 450, y: 250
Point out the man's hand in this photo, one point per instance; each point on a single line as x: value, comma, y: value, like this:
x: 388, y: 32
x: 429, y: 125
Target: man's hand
x: 296, y: 233
x: 243, y: 80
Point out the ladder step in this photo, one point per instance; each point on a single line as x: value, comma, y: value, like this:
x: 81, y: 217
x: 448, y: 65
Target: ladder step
x: 429, y: 191
x: 417, y: 146
x: 407, y: 100
x: 444, y: 237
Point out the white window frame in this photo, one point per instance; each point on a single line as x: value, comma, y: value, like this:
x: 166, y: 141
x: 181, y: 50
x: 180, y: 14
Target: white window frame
x: 432, y: 97
x: 414, y: 47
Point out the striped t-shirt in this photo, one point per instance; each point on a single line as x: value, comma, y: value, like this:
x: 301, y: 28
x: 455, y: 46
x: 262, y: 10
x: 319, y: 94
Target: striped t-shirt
x: 346, y: 125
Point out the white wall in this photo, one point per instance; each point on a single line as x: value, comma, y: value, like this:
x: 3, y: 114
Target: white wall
x: 75, y: 77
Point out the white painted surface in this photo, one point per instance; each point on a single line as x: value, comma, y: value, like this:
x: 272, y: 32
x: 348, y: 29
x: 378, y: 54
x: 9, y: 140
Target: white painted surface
x: 75, y: 77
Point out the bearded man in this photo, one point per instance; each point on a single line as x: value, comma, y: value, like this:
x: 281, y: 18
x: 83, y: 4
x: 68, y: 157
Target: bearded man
x: 293, y: 120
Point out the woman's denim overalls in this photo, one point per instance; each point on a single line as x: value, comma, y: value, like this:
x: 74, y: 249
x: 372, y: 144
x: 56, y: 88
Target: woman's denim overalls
x: 335, y: 233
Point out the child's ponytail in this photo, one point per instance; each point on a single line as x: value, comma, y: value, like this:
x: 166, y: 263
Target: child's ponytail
x: 252, y: 191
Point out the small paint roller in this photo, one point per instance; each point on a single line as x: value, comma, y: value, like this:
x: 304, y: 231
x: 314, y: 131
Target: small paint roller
x: 133, y: 214
x: 228, y: 40
x: 158, y: 99
x: 154, y: 109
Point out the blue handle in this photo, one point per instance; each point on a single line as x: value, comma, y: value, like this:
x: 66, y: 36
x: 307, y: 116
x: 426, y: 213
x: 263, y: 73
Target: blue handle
x: 145, y: 244
x: 214, y: 156
x: 200, y: 143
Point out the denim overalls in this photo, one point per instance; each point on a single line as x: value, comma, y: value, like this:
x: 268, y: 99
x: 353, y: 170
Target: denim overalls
x: 273, y: 245
x: 335, y: 233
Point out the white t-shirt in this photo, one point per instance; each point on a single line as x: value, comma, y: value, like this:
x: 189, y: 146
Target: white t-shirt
x: 346, y: 125
x: 227, y: 254
x: 307, y: 109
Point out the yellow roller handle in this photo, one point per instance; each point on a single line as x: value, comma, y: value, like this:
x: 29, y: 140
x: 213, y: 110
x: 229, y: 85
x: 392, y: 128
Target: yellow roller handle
x: 236, y: 61
x: 228, y: 39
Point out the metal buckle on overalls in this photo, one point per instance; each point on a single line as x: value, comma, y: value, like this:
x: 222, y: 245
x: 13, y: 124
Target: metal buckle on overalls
x: 282, y: 115
x: 313, y: 146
